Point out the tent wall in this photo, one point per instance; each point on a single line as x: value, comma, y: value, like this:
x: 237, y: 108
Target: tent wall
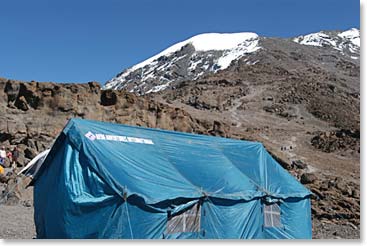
x: 71, y: 201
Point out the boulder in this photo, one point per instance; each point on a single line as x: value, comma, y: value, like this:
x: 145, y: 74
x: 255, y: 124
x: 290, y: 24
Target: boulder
x: 21, y: 103
x: 218, y: 129
x: 108, y: 98
x: 29, y: 153
x: 308, y: 178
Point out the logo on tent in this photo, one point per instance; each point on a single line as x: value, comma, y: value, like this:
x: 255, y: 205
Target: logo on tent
x: 98, y: 136
x: 91, y: 136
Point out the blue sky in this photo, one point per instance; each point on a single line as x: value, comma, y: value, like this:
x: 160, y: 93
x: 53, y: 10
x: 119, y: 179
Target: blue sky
x: 86, y: 40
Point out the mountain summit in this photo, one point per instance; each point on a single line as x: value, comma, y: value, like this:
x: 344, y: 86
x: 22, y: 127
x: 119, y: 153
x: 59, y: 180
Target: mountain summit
x: 189, y: 59
x: 211, y: 52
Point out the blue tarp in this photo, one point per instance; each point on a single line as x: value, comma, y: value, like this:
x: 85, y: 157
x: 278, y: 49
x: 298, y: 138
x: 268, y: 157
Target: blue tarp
x: 105, y: 180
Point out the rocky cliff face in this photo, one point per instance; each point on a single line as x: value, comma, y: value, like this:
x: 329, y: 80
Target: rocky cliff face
x: 33, y: 114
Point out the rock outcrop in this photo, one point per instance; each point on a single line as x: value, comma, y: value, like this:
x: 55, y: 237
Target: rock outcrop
x: 33, y: 114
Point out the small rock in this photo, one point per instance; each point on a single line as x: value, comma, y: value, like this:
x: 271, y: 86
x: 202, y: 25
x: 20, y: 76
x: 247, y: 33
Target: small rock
x: 299, y: 164
x: 27, y: 204
x: 29, y: 153
x: 269, y: 98
x: 324, y: 186
x: 355, y: 194
x: 308, y: 178
x: 331, y: 183
x: 3, y: 178
x: 353, y: 226
x: 318, y: 194
x: 347, y: 190
x: 339, y: 184
x: 13, y: 199
x: 30, y: 143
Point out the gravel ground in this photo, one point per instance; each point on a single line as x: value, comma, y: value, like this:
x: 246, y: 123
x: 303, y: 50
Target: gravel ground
x: 326, y: 230
x: 16, y: 222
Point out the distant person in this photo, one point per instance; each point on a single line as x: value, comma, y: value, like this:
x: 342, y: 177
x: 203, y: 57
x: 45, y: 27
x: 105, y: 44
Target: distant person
x: 15, y: 155
x: 9, y: 155
x: 2, y: 156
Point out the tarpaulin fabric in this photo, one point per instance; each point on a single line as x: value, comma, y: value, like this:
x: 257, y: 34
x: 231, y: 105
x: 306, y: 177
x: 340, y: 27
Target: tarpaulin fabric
x: 120, y: 181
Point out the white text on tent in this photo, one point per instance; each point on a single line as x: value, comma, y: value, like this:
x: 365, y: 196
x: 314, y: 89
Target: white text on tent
x: 99, y: 136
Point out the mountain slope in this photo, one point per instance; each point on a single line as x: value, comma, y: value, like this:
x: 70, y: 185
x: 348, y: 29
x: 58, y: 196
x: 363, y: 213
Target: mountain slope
x: 209, y: 53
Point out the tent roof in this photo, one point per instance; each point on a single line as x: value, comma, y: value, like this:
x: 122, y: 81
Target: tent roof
x: 159, y: 165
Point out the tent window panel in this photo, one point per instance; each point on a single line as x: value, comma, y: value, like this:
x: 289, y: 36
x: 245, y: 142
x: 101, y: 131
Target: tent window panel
x: 175, y: 224
x: 272, y: 215
x: 188, y: 221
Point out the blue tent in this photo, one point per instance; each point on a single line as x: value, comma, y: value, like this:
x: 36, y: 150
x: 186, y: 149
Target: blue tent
x: 104, y: 180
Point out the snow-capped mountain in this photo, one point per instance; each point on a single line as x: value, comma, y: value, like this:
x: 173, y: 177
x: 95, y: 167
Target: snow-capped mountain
x: 347, y: 42
x: 189, y: 59
x: 211, y: 52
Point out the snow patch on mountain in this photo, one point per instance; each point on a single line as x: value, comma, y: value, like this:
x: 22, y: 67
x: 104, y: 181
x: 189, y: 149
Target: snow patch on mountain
x: 206, y: 42
x: 315, y: 39
x: 352, y: 35
x: 245, y: 47
x: 345, y: 42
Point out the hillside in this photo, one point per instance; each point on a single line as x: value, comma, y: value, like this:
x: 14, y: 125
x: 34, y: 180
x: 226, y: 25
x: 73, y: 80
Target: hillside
x: 34, y: 113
